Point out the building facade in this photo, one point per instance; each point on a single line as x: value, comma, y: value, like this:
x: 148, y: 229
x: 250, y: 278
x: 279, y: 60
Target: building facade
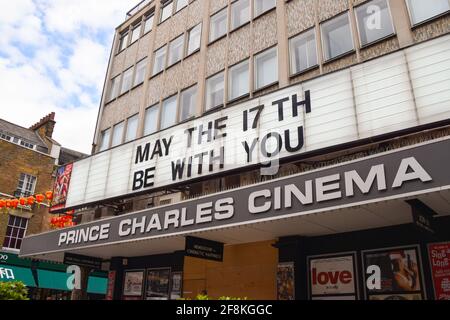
x: 305, y: 137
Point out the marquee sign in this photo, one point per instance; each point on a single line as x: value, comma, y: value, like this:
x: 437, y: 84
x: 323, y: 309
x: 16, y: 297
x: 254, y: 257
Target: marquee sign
x: 410, y: 171
x: 391, y: 93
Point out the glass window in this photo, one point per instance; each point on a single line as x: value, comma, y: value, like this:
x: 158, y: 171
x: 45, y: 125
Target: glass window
x: 188, y: 100
x: 160, y: 60
x: 421, y: 10
x: 240, y: 13
x: 181, y: 4
x: 262, y: 6
x: 337, y: 37
x: 15, y: 232
x: 238, y: 84
x: 123, y: 42
x: 151, y: 120
x: 140, y: 72
x: 194, y: 39
x: 126, y: 80
x: 303, y: 51
x: 176, y: 50
x: 266, y: 68
x: 218, y: 25
x: 132, y: 126
x: 215, y: 91
x: 114, y: 88
x: 104, y: 143
x: 136, y: 33
x: 148, y: 23
x: 166, y: 11
x: 169, y: 112
x: 26, y: 186
x: 374, y: 21
x: 117, y: 134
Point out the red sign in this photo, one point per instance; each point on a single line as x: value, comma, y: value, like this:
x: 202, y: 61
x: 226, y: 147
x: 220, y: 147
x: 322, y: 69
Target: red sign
x: 440, y: 268
x: 330, y: 277
x: 61, y: 186
x: 111, y: 283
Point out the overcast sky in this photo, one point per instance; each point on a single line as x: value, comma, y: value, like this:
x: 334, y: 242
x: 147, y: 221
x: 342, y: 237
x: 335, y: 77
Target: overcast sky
x: 53, y: 57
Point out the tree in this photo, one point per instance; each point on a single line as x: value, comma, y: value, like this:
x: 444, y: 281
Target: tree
x: 13, y: 291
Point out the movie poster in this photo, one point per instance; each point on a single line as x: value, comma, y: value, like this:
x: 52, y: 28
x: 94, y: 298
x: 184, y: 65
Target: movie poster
x: 61, y: 187
x: 286, y: 281
x: 132, y: 286
x: 158, y: 284
x: 440, y: 269
x: 176, y: 285
x: 332, y: 278
x: 400, y: 274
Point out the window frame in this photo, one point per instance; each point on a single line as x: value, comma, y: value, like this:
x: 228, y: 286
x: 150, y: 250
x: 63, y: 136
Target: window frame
x: 188, y: 34
x: 217, y: 74
x: 304, y: 32
x: 221, y: 11
x: 229, y: 99
x: 116, y: 80
x: 163, y: 6
x: 131, y: 71
x: 231, y: 27
x: 165, y: 47
x: 158, y: 111
x: 10, y: 237
x: 135, y: 116
x: 136, y: 72
x: 25, y: 181
x: 255, y: 69
x: 174, y: 96
x: 255, y: 16
x: 147, y: 17
x: 108, y: 143
x: 368, y: 44
x: 180, y: 107
x: 169, y: 63
x: 121, y: 138
x: 414, y: 25
x: 122, y: 35
x: 176, y: 9
x: 133, y: 29
x: 347, y: 14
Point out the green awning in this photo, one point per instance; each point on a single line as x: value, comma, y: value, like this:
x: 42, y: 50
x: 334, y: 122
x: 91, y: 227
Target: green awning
x: 13, y: 273
x: 58, y: 280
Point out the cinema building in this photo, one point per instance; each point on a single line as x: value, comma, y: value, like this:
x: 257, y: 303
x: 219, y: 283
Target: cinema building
x: 270, y: 150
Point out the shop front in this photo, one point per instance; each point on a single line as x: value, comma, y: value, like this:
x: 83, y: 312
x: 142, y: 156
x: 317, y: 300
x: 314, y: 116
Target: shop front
x: 47, y: 280
x: 371, y: 228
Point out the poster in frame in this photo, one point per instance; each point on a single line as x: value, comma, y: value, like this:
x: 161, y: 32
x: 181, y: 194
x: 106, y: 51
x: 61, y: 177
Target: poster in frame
x: 286, y: 281
x: 133, y: 283
x: 176, y: 285
x: 333, y: 276
x: 61, y: 186
x: 401, y: 273
x: 157, y: 284
x: 439, y: 259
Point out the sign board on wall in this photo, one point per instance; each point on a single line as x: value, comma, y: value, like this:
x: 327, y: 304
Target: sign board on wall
x: 409, y: 171
x: 133, y: 284
x: 61, y: 187
x: 398, y: 91
x: 439, y: 254
x: 83, y: 261
x: 204, y: 249
x: 286, y: 281
x: 401, y: 273
x: 333, y: 277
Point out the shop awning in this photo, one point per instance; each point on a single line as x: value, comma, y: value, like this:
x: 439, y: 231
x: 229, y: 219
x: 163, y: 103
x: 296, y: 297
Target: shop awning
x: 58, y: 281
x: 97, y: 285
x: 13, y: 273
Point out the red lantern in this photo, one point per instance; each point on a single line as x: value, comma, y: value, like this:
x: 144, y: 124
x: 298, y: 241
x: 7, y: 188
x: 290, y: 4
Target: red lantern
x: 40, y: 198
x: 14, y: 203
x: 30, y: 200
x: 49, y: 195
x: 8, y: 204
x: 23, y: 201
x: 2, y: 204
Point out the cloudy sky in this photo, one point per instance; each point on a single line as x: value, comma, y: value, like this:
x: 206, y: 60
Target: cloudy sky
x: 53, y: 57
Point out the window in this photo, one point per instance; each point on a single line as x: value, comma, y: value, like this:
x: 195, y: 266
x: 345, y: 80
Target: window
x: 114, y: 88
x: 169, y: 112
x: 26, y: 186
x: 123, y: 42
x: 117, y: 134
x: 148, y: 23
x: 151, y: 120
x: 262, y: 6
x: 132, y: 126
x: 374, y: 21
x: 303, y: 51
x: 337, y: 37
x: 15, y: 231
x: 238, y: 84
x: 266, y: 68
x: 187, y: 102
x: 215, y: 91
x: 166, y: 11
x: 136, y: 33
x: 26, y: 144
x: 104, y: 144
x: 126, y: 80
x: 5, y: 136
x: 240, y: 13
x: 176, y: 50
x: 139, y: 76
x: 194, y: 39
x: 181, y: 4
x: 421, y: 11
x: 160, y: 60
x: 218, y: 25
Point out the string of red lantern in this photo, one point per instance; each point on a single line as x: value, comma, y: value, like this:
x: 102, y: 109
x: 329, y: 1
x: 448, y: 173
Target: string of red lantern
x: 6, y: 204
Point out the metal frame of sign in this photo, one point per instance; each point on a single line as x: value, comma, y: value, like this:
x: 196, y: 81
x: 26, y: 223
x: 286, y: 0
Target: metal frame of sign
x: 334, y: 255
x: 124, y: 278
x: 429, y: 262
x: 146, y: 278
x: 415, y: 247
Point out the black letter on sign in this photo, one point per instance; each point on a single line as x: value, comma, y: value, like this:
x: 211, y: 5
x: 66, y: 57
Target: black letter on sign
x: 306, y: 103
x: 287, y: 136
x: 142, y: 156
x: 138, y: 180
x: 280, y: 104
x: 178, y: 169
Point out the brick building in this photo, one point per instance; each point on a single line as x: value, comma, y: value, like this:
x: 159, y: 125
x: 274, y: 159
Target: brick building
x: 201, y: 95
